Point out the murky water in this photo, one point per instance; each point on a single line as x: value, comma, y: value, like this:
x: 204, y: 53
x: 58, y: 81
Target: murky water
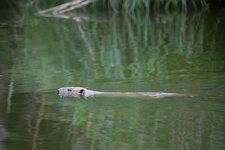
x: 164, y: 53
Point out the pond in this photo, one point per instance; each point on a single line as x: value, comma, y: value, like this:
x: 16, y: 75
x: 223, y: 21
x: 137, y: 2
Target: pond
x: 175, y: 52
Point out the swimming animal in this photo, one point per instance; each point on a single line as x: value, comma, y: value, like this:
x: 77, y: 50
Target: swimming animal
x: 80, y: 92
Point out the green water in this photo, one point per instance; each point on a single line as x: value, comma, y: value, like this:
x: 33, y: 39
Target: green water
x: 162, y: 53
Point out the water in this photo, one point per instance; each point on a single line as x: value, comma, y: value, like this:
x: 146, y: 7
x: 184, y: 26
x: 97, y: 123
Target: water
x: 164, y: 53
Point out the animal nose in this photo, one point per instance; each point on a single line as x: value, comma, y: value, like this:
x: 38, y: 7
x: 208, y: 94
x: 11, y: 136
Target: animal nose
x: 57, y: 91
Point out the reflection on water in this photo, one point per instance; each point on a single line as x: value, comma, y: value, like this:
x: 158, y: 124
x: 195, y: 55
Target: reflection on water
x: 169, y: 52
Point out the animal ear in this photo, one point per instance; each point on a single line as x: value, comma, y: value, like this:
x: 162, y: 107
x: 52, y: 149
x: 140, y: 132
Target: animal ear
x: 86, y: 88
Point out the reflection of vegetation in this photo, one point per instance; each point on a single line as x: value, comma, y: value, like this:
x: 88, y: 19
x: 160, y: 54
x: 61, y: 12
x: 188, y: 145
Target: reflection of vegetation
x: 10, y: 94
x: 38, y: 123
x: 156, y: 5
x: 135, y: 48
x: 61, y: 52
x: 105, y: 122
x: 127, y: 6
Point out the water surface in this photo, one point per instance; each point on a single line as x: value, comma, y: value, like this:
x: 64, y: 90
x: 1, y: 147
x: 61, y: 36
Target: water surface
x: 159, y: 53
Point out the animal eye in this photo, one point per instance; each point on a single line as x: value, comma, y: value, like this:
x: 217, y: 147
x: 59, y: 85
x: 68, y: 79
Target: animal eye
x: 81, y: 91
x: 69, y: 90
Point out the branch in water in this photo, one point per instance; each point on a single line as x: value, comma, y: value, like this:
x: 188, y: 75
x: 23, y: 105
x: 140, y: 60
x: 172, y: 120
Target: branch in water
x: 77, y: 6
x: 66, y: 7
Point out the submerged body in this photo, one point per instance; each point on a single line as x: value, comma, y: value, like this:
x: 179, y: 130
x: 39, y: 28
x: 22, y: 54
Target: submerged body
x: 80, y: 92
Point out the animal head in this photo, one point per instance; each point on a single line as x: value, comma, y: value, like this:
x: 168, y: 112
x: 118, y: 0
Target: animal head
x: 72, y: 92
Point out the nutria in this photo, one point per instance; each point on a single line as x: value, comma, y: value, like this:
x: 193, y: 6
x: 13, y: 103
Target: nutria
x: 80, y: 92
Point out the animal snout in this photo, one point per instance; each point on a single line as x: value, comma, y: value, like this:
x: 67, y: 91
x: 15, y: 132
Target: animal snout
x: 57, y: 91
